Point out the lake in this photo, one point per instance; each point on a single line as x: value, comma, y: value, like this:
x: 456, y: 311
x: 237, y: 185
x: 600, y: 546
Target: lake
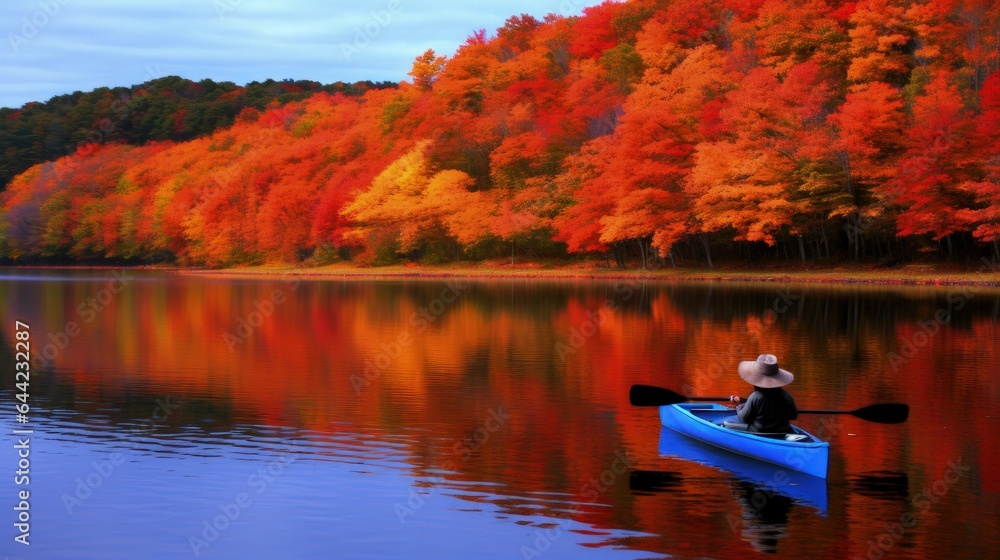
x: 198, y: 416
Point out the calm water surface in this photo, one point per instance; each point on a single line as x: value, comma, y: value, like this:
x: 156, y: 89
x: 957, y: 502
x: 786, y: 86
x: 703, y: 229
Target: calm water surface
x: 185, y: 416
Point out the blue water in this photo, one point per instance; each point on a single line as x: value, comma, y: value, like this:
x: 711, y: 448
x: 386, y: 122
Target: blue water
x: 264, y: 492
x: 424, y: 419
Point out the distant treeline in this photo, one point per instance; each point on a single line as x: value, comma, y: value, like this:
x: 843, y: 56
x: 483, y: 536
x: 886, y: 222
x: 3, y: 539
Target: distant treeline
x: 649, y: 132
x: 169, y: 108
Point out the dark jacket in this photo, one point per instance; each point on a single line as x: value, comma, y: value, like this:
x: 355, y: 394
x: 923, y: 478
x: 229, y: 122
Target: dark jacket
x: 768, y: 410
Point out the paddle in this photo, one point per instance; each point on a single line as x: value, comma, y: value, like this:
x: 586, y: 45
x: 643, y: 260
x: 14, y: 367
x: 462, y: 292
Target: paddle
x: 885, y: 413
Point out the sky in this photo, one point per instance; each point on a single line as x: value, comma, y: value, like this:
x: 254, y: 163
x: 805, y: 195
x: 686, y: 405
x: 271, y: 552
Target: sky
x: 53, y: 47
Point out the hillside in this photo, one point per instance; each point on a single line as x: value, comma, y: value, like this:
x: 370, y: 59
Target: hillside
x: 653, y: 130
x: 169, y: 108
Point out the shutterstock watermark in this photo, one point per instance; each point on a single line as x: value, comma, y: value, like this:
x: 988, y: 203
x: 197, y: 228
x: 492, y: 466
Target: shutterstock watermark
x: 462, y: 451
x: 421, y: 320
x: 879, y: 545
x: 365, y: 34
x: 32, y: 25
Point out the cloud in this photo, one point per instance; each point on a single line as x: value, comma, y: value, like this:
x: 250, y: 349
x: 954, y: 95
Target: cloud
x: 52, y: 47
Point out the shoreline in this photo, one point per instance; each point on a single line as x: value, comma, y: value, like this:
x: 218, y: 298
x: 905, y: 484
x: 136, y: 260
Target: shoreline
x: 913, y: 275
x: 831, y: 276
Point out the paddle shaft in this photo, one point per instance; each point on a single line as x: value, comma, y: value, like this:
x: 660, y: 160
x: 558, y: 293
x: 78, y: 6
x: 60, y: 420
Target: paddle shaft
x: 827, y: 411
x: 883, y: 413
x: 716, y: 399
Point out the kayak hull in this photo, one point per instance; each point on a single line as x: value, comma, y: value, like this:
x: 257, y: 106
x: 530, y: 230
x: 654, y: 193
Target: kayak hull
x: 802, y: 488
x: 703, y: 422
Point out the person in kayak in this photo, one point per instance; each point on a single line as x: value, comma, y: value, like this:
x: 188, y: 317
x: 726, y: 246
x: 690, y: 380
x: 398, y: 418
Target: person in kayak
x: 769, y: 408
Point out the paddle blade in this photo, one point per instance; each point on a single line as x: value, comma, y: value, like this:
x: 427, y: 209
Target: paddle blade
x: 886, y: 413
x: 647, y: 395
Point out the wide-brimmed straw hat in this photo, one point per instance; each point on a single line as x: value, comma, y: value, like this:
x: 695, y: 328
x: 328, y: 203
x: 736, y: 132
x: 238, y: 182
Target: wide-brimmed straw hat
x: 765, y: 373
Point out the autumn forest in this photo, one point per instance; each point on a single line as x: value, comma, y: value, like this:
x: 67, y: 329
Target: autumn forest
x: 645, y: 133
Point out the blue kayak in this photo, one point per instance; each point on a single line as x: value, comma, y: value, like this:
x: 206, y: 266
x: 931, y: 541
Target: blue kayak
x: 804, y: 489
x: 801, y: 451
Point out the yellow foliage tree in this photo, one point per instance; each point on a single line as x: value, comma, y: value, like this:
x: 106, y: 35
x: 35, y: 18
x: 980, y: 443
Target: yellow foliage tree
x: 408, y: 199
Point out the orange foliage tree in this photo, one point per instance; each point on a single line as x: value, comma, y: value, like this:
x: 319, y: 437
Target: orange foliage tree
x: 747, y: 180
x: 985, y: 185
x: 628, y: 130
x: 409, y: 202
x: 927, y: 182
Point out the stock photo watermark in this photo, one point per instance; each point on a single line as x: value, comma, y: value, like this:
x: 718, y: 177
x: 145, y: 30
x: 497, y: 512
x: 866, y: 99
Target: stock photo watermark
x: 591, y: 491
x: 377, y: 22
x: 103, y: 129
x: 214, y: 526
x: 911, y: 345
x: 262, y: 310
x: 782, y: 481
x: 31, y: 25
x: 88, y: 311
x: 580, y: 334
x: 463, y: 450
x: 955, y: 301
x: 103, y: 470
x: 226, y: 7
x: 923, y: 502
x: 421, y: 320
x: 783, y: 301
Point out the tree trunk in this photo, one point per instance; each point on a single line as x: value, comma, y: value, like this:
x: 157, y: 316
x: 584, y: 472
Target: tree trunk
x: 996, y: 251
x: 802, y: 249
x: 857, y: 237
x: 694, y: 250
x: 708, y: 250
x: 673, y: 264
x: 619, y: 255
x: 826, y: 241
x: 642, y: 252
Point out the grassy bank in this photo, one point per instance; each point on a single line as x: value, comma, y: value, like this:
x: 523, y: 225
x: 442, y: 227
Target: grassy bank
x: 915, y: 274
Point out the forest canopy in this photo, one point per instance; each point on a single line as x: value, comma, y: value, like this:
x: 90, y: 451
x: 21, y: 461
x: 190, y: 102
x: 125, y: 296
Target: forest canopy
x: 656, y: 130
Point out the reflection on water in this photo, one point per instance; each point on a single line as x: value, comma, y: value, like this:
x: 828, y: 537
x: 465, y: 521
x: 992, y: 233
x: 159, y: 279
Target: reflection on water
x: 649, y: 482
x: 886, y: 485
x: 486, y: 419
x: 766, y: 478
x: 765, y: 515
